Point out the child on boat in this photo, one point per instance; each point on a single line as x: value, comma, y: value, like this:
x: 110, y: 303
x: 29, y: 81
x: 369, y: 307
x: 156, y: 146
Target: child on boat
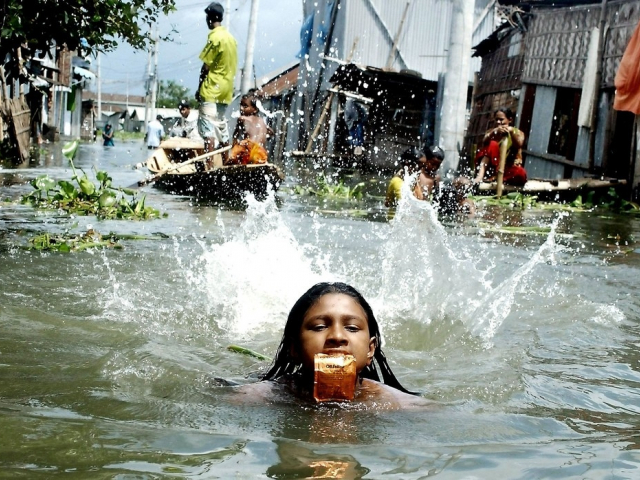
x: 333, y: 318
x: 250, y: 135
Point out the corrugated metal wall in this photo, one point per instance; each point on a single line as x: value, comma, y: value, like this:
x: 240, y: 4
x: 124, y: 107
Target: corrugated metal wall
x: 422, y: 45
x: 423, y: 40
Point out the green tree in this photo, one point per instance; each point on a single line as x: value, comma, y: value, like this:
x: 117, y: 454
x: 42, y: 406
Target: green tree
x: 170, y: 94
x: 88, y: 26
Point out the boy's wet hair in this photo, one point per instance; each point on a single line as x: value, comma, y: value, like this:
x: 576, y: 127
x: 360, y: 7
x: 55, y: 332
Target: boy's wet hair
x: 434, y: 152
x: 284, y: 363
x: 251, y: 98
x: 411, y: 156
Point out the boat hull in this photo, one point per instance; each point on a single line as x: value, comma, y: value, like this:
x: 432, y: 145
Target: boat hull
x: 209, y: 179
x: 226, y: 183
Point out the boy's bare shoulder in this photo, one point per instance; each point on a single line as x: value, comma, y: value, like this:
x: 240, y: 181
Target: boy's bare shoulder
x: 386, y: 397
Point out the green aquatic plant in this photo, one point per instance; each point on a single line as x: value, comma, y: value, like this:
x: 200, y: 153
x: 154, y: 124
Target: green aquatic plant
x: 616, y: 203
x: 72, y: 243
x: 87, y: 198
x: 248, y: 352
x: 329, y: 189
x: 512, y: 199
x: 68, y: 242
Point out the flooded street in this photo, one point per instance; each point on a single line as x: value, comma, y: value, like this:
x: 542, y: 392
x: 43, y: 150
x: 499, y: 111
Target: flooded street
x: 110, y: 360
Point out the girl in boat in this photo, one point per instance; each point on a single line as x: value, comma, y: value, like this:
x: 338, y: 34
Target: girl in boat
x: 333, y: 318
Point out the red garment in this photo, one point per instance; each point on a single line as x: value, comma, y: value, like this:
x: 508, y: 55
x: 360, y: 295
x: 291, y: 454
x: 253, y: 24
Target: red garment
x: 628, y: 77
x: 513, y: 174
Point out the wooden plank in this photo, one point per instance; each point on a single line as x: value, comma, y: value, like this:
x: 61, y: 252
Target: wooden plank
x: 20, y: 126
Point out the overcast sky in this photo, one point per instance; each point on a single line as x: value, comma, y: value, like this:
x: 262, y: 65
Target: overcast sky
x: 277, y: 43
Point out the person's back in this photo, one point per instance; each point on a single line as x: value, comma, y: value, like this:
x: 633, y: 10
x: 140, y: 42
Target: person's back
x: 409, y: 164
x: 215, y: 87
x: 155, y: 133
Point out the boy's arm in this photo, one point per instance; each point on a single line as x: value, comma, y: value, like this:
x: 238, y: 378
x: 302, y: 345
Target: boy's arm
x: 239, y: 131
x: 203, y: 74
x: 266, y: 127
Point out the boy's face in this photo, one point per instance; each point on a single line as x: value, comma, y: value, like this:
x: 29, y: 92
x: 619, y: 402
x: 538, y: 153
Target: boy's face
x: 246, y: 108
x: 335, y: 324
x: 430, y: 164
x: 433, y: 164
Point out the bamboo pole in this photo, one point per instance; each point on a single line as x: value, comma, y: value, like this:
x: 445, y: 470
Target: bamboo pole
x: 327, y: 105
x: 394, y: 47
x: 172, y: 168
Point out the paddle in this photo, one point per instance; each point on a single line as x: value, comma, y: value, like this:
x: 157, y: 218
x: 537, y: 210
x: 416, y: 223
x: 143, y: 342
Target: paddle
x: 164, y: 171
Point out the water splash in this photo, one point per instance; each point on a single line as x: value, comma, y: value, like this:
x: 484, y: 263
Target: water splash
x: 254, y: 277
x: 422, y: 276
x: 428, y: 277
x: 487, y: 317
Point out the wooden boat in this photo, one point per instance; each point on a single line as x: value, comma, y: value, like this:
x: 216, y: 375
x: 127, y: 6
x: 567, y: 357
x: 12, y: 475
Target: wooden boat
x: 208, y: 178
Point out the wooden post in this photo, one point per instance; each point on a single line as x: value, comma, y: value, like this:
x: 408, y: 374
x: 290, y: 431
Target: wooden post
x: 504, y: 150
x: 394, y: 47
x: 327, y: 105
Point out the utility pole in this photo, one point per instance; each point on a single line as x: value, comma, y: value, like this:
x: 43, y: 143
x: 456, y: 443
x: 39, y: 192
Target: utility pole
x: 154, y: 85
x: 147, y: 90
x: 456, y: 83
x: 247, y: 70
x: 99, y: 80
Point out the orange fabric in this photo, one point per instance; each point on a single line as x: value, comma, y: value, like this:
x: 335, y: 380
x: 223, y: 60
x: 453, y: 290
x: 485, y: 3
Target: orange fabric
x: 628, y: 77
x: 247, y: 152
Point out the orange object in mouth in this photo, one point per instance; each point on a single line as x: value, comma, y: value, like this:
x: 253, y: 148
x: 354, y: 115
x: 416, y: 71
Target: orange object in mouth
x: 334, y: 377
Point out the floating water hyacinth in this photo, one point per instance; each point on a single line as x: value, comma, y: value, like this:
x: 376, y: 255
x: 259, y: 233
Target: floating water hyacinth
x: 69, y: 149
x: 102, y: 200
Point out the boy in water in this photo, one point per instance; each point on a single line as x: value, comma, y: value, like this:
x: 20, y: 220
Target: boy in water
x: 428, y: 178
x: 250, y: 135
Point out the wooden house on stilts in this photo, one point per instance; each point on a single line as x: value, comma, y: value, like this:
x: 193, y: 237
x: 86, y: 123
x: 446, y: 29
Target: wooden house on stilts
x: 555, y: 63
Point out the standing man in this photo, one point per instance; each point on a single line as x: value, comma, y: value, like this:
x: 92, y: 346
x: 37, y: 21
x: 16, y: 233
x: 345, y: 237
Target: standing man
x: 155, y: 133
x: 215, y: 91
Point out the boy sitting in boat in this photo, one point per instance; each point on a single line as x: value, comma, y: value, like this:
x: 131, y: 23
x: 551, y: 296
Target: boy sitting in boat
x: 250, y: 135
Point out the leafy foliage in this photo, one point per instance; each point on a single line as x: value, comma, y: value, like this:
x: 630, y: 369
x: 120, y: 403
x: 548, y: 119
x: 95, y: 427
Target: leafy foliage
x: 512, y: 199
x: 170, y: 94
x: 69, y: 243
x: 86, y: 198
x: 88, y: 26
x: 328, y: 188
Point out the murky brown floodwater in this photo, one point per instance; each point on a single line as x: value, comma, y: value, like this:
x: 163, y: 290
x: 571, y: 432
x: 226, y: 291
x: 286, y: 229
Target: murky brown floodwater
x: 527, y: 344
